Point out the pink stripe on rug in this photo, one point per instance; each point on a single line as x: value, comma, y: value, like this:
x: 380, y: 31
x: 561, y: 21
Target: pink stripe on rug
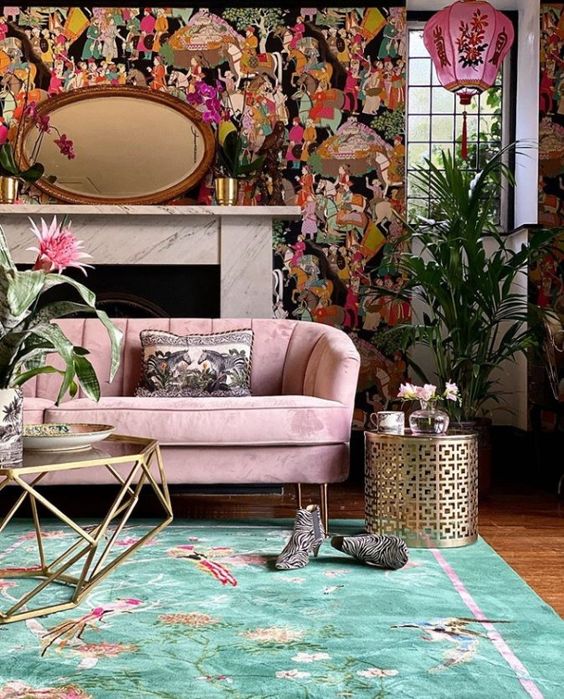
x: 493, y: 634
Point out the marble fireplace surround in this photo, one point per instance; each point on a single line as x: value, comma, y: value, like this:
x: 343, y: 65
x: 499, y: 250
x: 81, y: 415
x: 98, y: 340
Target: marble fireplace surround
x: 237, y: 238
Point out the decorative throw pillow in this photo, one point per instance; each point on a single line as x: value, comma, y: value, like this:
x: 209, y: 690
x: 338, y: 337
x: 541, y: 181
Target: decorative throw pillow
x: 218, y: 364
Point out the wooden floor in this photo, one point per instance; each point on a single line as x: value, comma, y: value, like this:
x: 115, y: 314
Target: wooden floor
x: 527, y: 530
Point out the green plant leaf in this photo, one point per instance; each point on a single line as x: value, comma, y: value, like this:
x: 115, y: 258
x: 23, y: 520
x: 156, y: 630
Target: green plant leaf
x: 116, y: 337
x: 249, y: 168
x: 64, y: 347
x: 52, y: 280
x: 5, y: 256
x: 33, y: 173
x: 24, y: 289
x: 73, y: 389
x: 58, y: 309
x: 89, y: 297
x: 9, y: 321
x: 26, y: 375
x: 87, y: 376
x: 7, y: 160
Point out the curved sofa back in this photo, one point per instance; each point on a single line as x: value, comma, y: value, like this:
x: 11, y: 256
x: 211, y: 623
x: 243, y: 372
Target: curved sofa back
x: 282, y: 350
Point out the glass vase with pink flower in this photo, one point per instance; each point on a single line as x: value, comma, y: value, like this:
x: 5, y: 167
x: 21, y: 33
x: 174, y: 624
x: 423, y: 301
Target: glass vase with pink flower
x: 429, y: 418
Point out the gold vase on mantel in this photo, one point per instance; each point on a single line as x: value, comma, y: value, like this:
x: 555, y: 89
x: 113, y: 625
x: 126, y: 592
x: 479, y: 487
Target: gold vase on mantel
x: 9, y: 189
x: 226, y: 190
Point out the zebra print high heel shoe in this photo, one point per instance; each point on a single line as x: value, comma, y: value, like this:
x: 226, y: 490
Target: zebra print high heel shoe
x: 307, y: 537
x: 384, y: 551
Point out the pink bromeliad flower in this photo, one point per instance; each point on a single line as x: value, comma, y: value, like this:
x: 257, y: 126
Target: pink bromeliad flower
x: 58, y: 248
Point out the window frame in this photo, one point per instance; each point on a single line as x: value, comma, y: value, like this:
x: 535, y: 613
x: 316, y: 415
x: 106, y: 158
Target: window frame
x: 416, y: 21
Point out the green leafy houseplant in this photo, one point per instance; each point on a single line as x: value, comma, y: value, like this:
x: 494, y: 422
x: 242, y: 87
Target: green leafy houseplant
x: 467, y: 278
x: 28, y: 335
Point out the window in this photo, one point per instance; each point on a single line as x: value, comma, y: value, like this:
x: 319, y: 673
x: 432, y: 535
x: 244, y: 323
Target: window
x: 434, y: 123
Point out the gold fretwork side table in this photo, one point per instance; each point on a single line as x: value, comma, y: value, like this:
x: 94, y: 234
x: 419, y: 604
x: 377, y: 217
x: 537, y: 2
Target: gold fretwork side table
x: 423, y: 488
x: 133, y: 462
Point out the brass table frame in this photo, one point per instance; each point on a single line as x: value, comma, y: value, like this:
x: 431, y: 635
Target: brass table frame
x: 91, y: 539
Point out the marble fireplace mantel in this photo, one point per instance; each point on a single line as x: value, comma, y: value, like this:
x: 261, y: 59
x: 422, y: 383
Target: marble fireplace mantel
x: 237, y: 238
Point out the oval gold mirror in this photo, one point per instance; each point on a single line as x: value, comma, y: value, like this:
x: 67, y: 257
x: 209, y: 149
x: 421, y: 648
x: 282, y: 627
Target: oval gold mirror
x: 132, y: 145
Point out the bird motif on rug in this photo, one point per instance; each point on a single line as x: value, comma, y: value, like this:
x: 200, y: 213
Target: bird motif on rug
x: 204, y: 563
x: 453, y: 630
x: 69, y: 632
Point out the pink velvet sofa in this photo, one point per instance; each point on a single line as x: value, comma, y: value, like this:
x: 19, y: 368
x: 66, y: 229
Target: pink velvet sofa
x: 295, y: 428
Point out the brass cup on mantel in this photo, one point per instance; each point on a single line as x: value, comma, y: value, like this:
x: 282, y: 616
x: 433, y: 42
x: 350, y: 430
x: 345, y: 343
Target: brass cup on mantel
x: 226, y: 190
x: 9, y: 189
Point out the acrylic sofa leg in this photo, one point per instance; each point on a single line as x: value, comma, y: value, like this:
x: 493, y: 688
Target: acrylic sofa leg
x: 324, y: 506
x: 299, y: 495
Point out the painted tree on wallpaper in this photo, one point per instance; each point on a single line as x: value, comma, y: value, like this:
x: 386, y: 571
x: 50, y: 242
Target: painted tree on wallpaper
x: 334, y: 76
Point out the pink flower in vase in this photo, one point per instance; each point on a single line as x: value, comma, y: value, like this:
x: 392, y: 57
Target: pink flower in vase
x: 451, y: 392
x: 408, y: 391
x: 426, y: 393
x: 58, y: 248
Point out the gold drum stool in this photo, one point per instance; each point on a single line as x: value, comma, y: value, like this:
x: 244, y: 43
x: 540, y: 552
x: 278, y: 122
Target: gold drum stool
x: 423, y: 488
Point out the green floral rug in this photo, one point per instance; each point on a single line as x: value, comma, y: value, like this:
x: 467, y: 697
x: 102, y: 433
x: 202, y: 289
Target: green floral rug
x: 200, y: 611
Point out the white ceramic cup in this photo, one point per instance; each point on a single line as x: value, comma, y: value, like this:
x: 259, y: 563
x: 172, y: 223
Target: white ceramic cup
x: 389, y: 421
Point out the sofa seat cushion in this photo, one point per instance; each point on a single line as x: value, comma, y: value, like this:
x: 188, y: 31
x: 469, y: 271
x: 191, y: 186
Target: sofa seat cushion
x: 253, y: 420
x: 34, y: 409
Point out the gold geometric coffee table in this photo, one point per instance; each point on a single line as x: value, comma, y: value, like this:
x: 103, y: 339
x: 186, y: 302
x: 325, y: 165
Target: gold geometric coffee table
x: 133, y: 462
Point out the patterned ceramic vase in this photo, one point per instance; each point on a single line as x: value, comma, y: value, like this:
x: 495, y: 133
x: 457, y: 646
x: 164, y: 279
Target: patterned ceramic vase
x: 11, y: 426
x: 428, y: 420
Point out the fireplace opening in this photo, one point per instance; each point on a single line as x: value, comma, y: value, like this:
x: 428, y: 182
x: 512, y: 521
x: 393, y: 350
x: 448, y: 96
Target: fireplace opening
x: 148, y: 291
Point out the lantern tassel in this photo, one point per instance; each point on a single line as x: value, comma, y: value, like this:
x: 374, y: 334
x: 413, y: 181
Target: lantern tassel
x: 464, y: 149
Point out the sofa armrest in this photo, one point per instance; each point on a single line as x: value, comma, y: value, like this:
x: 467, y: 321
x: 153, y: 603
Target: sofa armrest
x: 333, y: 368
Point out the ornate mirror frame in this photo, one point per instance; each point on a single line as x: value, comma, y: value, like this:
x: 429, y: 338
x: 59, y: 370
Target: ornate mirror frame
x: 192, y: 115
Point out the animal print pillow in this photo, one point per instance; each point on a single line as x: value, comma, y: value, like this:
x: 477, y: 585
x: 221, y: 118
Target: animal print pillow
x: 218, y: 364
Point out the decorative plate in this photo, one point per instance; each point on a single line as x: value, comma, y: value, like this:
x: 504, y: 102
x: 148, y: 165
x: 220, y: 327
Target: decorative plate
x: 61, y: 436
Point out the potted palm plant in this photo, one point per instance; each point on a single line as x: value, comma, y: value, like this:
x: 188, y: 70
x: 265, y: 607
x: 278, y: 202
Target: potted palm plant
x: 28, y: 335
x: 469, y: 281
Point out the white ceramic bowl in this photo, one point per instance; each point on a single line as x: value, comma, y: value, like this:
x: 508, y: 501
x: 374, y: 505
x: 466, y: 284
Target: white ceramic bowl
x: 63, y: 436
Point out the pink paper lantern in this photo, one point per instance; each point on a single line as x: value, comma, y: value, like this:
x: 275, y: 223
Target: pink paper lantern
x: 467, y: 42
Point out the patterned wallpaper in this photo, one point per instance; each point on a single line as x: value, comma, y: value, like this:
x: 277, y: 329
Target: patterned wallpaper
x: 335, y: 77
x: 547, y: 277
x: 551, y: 137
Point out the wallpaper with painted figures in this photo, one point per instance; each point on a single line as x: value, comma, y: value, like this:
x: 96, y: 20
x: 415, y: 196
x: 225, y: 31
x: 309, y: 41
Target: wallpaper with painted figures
x: 551, y: 200
x: 547, y: 277
x: 335, y: 77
